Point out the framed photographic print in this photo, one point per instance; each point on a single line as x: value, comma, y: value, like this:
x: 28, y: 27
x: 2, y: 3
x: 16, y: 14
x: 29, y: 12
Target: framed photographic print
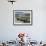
x: 22, y: 17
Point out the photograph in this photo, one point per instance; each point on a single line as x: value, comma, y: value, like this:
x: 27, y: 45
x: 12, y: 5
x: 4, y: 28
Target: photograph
x: 22, y: 16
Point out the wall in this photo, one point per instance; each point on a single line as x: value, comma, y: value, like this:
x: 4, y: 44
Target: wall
x: 37, y: 31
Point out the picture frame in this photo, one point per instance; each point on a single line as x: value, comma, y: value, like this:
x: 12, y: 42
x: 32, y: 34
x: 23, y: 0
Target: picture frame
x: 22, y: 17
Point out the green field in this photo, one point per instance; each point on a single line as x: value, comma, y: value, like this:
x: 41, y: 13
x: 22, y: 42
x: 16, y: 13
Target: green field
x: 25, y: 19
